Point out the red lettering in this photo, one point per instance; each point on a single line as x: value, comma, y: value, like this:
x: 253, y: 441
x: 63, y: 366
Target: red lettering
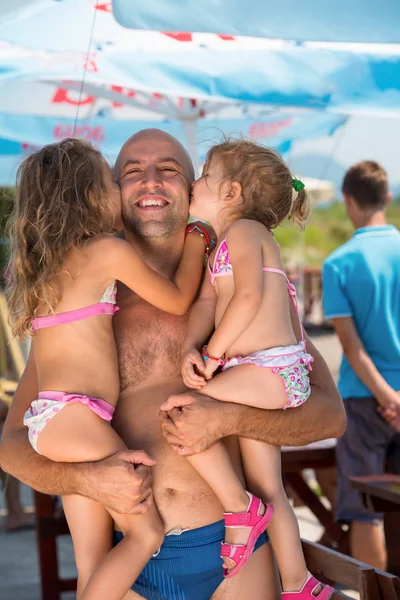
x: 264, y: 130
x: 87, y: 132
x: 188, y: 37
x: 90, y: 66
x: 179, y: 37
x: 62, y: 95
x: 25, y: 147
x: 106, y: 7
x: 62, y: 131
x: 120, y: 90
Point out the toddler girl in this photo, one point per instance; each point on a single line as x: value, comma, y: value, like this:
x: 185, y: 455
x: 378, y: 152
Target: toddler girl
x: 62, y: 291
x: 245, y: 191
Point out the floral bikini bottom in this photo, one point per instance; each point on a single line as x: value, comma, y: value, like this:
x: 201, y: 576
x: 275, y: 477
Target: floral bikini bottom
x: 291, y: 363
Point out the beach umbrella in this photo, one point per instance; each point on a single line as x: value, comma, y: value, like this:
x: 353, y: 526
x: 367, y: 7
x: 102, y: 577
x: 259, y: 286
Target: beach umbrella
x: 80, y: 39
x: 320, y: 20
x: 51, y: 115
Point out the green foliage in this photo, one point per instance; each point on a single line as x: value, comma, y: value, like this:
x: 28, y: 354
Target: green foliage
x: 327, y: 229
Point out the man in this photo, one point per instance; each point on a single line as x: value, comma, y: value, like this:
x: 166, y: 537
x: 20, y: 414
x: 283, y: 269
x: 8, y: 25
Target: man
x: 155, y: 173
x: 362, y: 296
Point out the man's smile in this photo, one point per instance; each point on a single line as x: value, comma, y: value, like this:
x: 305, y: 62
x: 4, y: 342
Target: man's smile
x: 151, y: 202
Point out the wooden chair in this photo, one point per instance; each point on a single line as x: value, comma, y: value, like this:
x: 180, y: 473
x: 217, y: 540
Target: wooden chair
x: 49, y: 526
x: 314, y: 456
x: 332, y: 567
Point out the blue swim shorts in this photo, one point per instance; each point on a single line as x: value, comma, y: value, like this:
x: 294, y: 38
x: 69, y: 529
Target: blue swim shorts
x: 188, y: 565
x: 368, y: 443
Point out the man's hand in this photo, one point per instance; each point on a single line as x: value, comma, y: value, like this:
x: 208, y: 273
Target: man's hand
x: 122, y: 482
x: 196, y: 422
x: 391, y: 411
x: 391, y: 416
x: 191, y: 360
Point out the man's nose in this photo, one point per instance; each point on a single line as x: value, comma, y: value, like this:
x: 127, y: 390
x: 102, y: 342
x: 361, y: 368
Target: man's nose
x: 151, y: 177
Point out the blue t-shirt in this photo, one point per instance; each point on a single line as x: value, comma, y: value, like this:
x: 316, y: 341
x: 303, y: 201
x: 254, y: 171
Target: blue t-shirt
x: 361, y: 279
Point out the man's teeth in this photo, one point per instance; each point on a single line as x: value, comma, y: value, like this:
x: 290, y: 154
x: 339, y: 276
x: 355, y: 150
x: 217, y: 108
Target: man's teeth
x: 149, y: 202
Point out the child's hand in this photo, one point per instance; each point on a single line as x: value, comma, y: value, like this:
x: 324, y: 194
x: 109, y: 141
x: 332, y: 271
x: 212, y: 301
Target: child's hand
x: 192, y: 369
x: 210, y: 366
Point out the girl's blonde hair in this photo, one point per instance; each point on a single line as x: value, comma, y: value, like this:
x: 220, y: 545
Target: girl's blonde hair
x: 61, y: 202
x: 267, y: 183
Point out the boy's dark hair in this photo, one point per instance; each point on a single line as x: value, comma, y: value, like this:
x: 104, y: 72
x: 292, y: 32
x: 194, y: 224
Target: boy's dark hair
x: 367, y: 183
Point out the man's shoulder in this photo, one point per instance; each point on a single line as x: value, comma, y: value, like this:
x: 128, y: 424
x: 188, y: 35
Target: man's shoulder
x: 338, y: 256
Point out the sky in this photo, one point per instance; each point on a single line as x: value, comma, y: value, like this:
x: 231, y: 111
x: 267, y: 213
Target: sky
x: 362, y: 138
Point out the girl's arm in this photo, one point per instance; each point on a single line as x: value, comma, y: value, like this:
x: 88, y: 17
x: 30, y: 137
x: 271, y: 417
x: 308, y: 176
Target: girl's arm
x: 200, y: 327
x: 202, y: 317
x: 126, y: 265
x: 244, y: 243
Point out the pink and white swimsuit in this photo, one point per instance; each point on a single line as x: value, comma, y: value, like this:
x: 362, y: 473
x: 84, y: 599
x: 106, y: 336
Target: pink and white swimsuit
x: 49, y: 403
x: 291, y: 363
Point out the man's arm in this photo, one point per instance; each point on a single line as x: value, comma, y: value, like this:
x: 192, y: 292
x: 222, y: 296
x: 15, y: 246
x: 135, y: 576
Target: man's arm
x: 204, y: 420
x: 115, y: 482
x: 362, y: 364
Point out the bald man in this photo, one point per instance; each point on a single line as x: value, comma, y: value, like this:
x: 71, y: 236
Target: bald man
x: 155, y: 173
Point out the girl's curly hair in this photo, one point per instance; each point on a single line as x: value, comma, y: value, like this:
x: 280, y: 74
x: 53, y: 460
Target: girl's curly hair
x: 61, y: 202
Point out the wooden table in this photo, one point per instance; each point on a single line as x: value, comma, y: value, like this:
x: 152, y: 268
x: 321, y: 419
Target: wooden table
x: 318, y: 455
x: 381, y: 493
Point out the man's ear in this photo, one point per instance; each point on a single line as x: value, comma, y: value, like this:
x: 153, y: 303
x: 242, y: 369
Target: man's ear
x: 388, y: 198
x: 348, y: 200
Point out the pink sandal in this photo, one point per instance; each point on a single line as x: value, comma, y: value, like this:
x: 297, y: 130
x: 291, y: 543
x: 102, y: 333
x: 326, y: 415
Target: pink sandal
x: 308, y: 589
x: 251, y: 518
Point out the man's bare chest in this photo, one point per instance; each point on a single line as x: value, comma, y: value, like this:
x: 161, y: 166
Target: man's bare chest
x: 148, y: 341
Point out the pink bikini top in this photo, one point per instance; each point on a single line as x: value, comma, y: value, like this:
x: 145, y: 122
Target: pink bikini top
x: 223, y: 266
x: 106, y: 306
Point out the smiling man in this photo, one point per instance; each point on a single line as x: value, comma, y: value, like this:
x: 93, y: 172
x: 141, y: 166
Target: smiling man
x: 155, y: 174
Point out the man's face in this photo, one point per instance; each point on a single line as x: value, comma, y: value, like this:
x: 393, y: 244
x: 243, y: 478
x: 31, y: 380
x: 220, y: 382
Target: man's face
x: 154, y: 176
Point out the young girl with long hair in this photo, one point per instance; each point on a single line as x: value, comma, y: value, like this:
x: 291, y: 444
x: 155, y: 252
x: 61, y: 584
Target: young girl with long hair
x: 62, y: 292
x: 247, y: 190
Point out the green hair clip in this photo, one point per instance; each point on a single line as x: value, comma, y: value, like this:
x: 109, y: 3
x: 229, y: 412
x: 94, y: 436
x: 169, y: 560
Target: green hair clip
x: 298, y: 185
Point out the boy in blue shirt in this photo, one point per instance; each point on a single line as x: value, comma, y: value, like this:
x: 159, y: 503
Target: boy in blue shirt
x: 361, y: 282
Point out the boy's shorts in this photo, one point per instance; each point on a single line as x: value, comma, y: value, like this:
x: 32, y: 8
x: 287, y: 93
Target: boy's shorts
x: 367, y: 444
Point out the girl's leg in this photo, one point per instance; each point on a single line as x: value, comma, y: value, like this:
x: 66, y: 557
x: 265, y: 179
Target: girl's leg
x: 215, y: 467
x: 76, y: 434
x: 143, y: 535
x: 91, y: 530
x: 247, y: 384
x: 262, y: 466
